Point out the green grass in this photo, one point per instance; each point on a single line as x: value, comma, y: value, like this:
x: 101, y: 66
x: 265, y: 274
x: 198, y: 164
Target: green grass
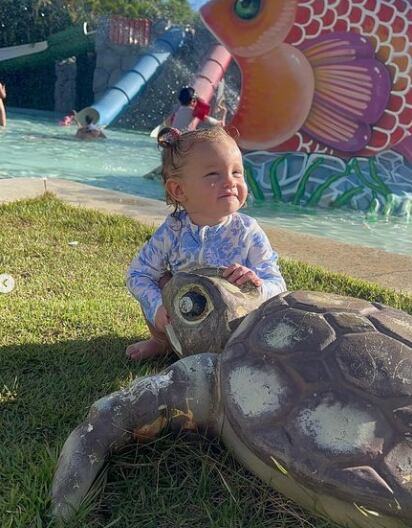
x: 63, y: 332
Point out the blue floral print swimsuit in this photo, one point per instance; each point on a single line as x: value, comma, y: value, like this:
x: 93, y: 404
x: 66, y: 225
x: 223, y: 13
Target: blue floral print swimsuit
x: 179, y: 244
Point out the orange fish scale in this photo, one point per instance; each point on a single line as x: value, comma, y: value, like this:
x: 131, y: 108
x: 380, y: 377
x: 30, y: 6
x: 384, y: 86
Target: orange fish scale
x: 400, y: 23
x: 369, y: 25
x: 314, y: 29
x: 371, y: 5
x: 400, y: 5
x: 295, y: 35
x: 403, y: 62
x: 329, y: 20
x: 388, y: 121
x: 384, y: 52
x: 400, y: 44
x: 398, y: 135
x: 405, y: 117
x: 319, y: 8
x: 304, y: 15
x: 402, y: 84
x: 383, y: 33
x: 380, y: 139
x: 343, y: 8
x: 356, y: 15
x: 396, y: 103
x: 374, y: 41
x: 342, y: 25
x: 394, y: 72
x: 386, y: 13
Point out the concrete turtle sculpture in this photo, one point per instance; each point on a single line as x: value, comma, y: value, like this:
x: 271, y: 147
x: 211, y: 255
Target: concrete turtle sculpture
x: 312, y: 392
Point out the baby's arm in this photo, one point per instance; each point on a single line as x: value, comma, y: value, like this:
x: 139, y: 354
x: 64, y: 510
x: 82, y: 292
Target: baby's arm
x: 262, y: 259
x: 145, y: 271
x: 2, y: 91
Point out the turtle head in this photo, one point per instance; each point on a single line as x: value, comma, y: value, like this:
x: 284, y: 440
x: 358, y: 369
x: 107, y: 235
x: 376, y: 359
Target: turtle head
x: 204, y: 309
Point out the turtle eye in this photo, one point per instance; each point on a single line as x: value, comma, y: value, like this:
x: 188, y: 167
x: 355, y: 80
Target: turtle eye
x: 247, y: 9
x: 192, y: 305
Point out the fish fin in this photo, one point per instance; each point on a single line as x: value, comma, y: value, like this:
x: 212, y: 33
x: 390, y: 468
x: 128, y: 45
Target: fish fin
x: 335, y: 129
x: 352, y: 90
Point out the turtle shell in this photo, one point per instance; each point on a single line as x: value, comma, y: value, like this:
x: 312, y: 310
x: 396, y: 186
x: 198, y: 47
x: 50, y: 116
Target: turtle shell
x: 319, y: 386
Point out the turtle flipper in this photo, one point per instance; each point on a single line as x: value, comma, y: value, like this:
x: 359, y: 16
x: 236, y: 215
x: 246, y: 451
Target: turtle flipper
x: 182, y: 396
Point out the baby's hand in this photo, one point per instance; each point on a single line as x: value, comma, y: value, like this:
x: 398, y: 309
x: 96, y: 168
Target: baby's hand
x: 161, y: 318
x: 237, y: 274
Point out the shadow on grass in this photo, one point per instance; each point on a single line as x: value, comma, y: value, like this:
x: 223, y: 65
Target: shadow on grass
x: 54, y: 384
x: 46, y: 390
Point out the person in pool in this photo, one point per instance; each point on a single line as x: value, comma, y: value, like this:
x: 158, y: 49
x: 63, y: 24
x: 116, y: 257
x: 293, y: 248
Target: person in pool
x: 89, y: 131
x: 204, y: 180
x: 3, y: 118
x: 191, y: 106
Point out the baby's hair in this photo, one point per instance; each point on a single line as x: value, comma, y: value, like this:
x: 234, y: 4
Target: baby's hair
x: 176, y: 145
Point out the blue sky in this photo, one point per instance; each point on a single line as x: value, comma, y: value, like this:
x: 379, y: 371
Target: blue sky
x: 197, y: 3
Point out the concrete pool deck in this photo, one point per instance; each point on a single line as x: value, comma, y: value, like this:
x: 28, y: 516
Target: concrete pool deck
x: 374, y: 265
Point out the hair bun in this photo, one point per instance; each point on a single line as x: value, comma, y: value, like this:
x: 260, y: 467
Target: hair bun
x: 168, y: 136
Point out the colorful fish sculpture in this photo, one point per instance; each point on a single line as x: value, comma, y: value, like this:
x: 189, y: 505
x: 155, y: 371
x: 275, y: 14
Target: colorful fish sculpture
x: 320, y: 75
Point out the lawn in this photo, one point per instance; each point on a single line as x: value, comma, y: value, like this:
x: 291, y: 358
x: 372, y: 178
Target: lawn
x: 63, y: 333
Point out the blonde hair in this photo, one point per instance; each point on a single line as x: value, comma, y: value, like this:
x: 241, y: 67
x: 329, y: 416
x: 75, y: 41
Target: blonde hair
x: 176, y: 146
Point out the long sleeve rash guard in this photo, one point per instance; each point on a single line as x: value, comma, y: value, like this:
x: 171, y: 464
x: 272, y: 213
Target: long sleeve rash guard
x: 179, y: 244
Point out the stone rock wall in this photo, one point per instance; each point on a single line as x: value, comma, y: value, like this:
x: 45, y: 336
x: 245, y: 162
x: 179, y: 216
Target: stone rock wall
x: 112, y: 60
x: 65, y: 85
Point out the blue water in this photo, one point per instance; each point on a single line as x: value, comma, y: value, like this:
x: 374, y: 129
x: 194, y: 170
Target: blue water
x: 34, y: 145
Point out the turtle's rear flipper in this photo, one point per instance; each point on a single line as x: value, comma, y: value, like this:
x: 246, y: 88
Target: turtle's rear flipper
x: 182, y: 396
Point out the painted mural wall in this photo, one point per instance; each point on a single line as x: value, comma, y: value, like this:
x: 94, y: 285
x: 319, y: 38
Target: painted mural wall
x: 325, y: 111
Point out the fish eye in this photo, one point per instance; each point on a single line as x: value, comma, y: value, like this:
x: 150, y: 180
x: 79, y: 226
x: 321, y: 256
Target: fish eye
x: 192, y: 305
x: 247, y: 9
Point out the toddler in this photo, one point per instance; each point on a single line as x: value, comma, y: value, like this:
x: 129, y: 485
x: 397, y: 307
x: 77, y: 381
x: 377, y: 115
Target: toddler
x: 203, y: 178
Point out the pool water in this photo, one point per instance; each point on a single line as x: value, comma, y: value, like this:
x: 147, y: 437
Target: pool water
x: 34, y: 145
x: 392, y: 234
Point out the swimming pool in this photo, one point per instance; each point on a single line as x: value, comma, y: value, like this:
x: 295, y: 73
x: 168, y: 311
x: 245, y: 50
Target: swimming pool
x: 34, y: 145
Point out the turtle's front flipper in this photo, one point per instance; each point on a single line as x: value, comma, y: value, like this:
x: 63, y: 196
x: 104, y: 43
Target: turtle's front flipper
x: 182, y: 396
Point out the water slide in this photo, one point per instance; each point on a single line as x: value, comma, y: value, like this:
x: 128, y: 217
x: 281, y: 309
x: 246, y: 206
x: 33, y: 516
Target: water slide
x: 118, y: 97
x: 72, y: 41
x: 210, y: 74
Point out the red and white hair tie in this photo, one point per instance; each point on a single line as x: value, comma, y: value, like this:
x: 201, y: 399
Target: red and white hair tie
x: 168, y: 136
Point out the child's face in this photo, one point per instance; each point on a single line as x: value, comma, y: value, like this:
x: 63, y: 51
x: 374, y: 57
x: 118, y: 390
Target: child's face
x: 212, y: 185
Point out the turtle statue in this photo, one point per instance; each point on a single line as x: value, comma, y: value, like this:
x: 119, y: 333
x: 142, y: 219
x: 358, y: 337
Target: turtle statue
x: 312, y: 392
